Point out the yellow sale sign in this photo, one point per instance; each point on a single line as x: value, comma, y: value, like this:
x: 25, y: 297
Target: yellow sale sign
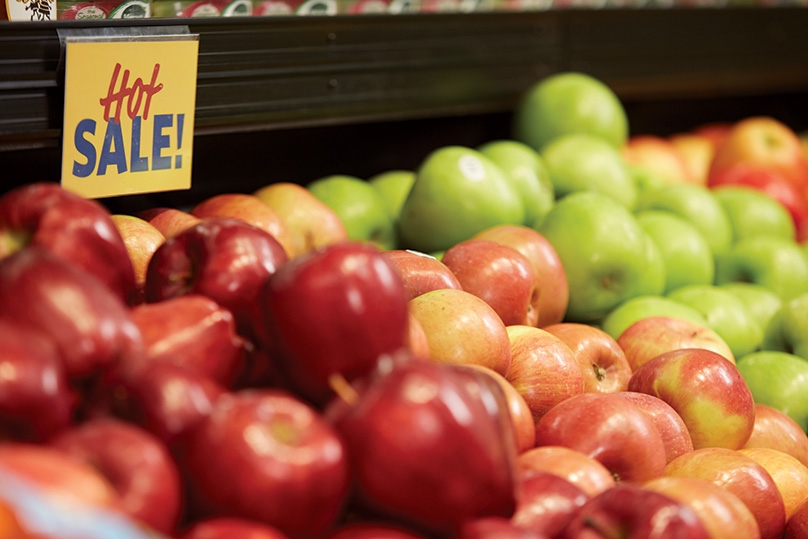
x: 129, y: 115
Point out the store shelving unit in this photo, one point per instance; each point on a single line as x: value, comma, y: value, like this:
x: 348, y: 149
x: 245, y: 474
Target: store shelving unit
x: 296, y: 97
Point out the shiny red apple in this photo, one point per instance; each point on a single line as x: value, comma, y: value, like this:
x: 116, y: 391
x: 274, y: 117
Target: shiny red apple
x: 194, y: 331
x: 334, y: 312
x: 284, y: 465
x: 72, y: 228
x: 224, y: 259
x: 611, y: 430
x: 499, y: 275
x: 135, y: 462
x: 90, y: 326
x: 671, y: 427
x: 421, y: 272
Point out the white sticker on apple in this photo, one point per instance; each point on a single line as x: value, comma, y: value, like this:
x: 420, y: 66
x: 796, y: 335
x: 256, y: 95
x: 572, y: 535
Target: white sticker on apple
x: 471, y: 167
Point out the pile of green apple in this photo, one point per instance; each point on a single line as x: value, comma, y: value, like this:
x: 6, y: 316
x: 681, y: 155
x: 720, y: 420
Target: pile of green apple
x: 573, y: 333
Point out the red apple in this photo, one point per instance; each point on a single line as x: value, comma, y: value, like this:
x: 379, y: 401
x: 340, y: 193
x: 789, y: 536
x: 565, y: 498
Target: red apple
x: 421, y: 272
x: 797, y: 525
x: 36, y: 400
x: 90, y: 325
x: 194, y: 331
x: 581, y: 470
x: 494, y: 528
x: 499, y: 275
x: 523, y: 424
x: 765, y: 142
x: 462, y: 329
x: 775, y: 429
x: 551, y: 278
x: 141, y: 239
x: 71, y: 227
x: 135, y: 462
x: 169, y: 221
x: 231, y: 528
x: 654, y: 335
x: 544, y: 370
x: 609, y: 429
x: 707, y: 391
x: 167, y: 399
x: 249, y: 209
x: 430, y: 444
x: 718, y: 509
x: 634, y: 512
x: 603, y: 362
x: 546, y: 503
x: 285, y: 465
x: 671, y: 427
x: 224, y: 259
x: 334, y: 312
x: 788, y: 473
x: 311, y: 223
x: 372, y: 530
x: 659, y: 156
x: 742, y: 476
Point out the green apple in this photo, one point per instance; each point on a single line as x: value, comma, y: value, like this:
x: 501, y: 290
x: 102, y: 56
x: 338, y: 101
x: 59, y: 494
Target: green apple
x: 725, y: 314
x: 393, y: 186
x: 775, y: 263
x: 606, y: 254
x: 457, y: 192
x: 779, y: 380
x: 754, y: 213
x: 570, y: 102
x: 359, y: 206
x: 698, y: 205
x: 760, y: 302
x: 583, y: 162
x: 641, y: 307
x: 788, y: 329
x: 526, y: 169
x: 645, y: 180
x: 687, y: 255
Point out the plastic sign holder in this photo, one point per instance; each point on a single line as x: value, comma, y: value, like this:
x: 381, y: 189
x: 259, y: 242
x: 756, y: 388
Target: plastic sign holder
x: 129, y: 103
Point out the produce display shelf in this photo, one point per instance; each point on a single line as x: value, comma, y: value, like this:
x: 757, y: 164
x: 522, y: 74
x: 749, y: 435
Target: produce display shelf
x: 311, y: 77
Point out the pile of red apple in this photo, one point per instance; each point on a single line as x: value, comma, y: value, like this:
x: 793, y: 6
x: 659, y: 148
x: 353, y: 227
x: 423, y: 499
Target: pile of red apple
x: 247, y: 369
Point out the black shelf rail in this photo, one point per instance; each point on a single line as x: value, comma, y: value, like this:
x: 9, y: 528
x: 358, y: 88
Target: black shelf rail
x: 258, y: 74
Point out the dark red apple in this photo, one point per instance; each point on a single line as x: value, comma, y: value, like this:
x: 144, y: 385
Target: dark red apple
x: 421, y: 272
x: 90, y: 326
x: 671, y: 426
x: 430, y: 444
x: 495, y: 528
x: 194, y: 331
x: 334, y: 312
x: 284, y: 465
x: 224, y: 259
x: 632, y: 512
x: 166, y: 399
x: 135, y: 462
x: 70, y: 227
x: 610, y: 429
x: 546, y: 503
x: 231, y: 528
x: 36, y: 400
x: 498, y: 274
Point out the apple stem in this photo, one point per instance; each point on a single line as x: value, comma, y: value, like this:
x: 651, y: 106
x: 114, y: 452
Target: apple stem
x: 342, y: 388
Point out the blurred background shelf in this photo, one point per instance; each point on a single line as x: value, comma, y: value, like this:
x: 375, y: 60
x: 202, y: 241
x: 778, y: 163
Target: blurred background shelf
x: 295, y: 98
